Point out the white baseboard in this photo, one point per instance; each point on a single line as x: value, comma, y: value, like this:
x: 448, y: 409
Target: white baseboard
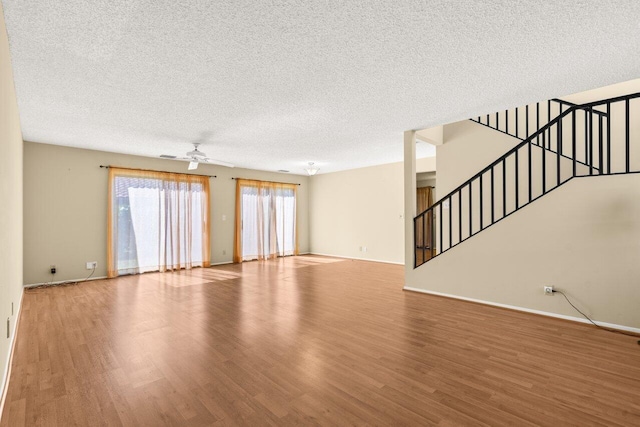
x: 359, y: 259
x: 84, y: 279
x: 4, y: 386
x: 220, y: 263
x: 527, y: 310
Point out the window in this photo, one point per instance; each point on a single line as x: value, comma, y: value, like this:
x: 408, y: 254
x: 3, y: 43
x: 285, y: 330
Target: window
x: 157, y: 221
x: 265, y: 220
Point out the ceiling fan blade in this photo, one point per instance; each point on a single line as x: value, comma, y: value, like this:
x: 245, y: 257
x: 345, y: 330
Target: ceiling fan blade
x: 196, y: 153
x: 199, y: 158
x: 218, y: 162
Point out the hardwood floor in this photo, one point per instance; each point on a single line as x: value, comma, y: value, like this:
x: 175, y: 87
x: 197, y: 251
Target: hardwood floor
x: 306, y: 341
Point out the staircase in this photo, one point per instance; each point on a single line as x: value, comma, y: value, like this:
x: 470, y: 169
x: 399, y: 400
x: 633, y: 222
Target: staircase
x: 592, y: 139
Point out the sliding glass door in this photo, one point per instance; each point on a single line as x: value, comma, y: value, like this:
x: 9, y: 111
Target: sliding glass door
x: 157, y: 221
x: 265, y: 220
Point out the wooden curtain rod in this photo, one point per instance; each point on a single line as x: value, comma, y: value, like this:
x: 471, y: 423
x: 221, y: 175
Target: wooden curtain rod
x: 151, y: 170
x: 273, y: 182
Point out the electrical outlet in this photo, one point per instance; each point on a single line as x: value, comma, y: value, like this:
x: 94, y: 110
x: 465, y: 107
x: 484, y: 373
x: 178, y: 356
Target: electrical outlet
x: 52, y: 269
x: 364, y: 249
x: 92, y: 265
x: 548, y: 290
x: 224, y: 252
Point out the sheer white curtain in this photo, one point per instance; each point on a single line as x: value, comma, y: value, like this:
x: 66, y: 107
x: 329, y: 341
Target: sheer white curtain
x: 157, y: 221
x: 265, y: 220
x: 285, y: 211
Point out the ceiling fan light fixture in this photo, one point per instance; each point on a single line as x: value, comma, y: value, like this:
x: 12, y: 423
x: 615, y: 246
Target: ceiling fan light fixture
x: 195, y: 156
x: 311, y: 170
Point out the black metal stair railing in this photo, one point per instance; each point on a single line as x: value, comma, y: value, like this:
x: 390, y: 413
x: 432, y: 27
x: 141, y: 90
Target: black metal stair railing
x: 590, y: 139
x: 525, y: 121
x: 521, y: 122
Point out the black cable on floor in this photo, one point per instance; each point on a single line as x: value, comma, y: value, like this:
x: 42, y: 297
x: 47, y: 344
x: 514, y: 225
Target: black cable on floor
x: 51, y: 284
x: 631, y: 334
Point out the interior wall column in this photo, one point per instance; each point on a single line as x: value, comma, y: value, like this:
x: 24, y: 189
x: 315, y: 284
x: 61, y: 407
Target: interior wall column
x: 409, y: 200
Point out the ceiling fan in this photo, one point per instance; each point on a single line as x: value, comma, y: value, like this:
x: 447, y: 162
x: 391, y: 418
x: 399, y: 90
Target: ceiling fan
x: 196, y: 157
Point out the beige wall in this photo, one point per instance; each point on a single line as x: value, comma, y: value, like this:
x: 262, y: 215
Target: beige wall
x: 361, y: 208
x: 583, y: 238
x: 65, y: 202
x: 471, y: 147
x: 468, y: 149
x: 426, y: 183
x: 618, y: 89
x: 11, y: 197
x: 426, y: 164
x: 356, y: 208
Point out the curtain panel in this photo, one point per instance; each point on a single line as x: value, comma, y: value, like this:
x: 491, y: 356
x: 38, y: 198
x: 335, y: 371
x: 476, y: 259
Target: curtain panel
x: 265, y: 220
x: 156, y: 221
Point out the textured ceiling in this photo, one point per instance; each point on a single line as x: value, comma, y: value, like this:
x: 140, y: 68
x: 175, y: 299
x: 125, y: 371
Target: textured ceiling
x: 274, y: 85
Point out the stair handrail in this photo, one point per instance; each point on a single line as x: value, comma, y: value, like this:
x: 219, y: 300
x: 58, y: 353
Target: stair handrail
x: 528, y: 141
x: 572, y: 104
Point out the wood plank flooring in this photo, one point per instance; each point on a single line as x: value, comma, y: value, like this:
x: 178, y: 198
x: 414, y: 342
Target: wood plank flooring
x: 306, y: 341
